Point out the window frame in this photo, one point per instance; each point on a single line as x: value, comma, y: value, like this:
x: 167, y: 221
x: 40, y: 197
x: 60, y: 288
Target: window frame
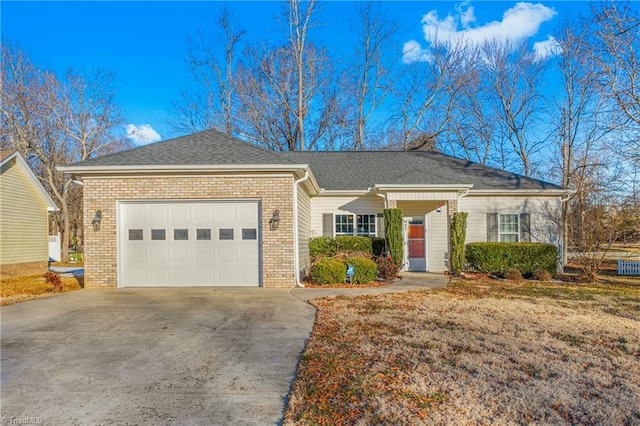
x: 355, y: 224
x: 501, y: 217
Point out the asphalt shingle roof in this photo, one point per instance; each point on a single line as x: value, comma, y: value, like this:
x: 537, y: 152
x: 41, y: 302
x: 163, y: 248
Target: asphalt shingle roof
x: 208, y: 147
x: 353, y: 170
x: 334, y: 170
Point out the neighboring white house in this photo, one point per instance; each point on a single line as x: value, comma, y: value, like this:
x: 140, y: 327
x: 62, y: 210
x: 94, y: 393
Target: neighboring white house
x: 208, y: 209
x: 24, y: 218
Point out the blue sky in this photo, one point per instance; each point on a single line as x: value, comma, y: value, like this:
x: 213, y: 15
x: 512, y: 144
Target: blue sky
x: 145, y: 42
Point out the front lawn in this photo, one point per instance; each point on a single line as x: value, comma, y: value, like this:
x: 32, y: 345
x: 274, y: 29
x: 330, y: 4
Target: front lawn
x: 20, y: 289
x: 474, y: 353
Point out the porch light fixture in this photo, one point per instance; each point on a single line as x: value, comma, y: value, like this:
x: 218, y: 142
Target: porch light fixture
x: 96, y: 220
x: 274, y: 222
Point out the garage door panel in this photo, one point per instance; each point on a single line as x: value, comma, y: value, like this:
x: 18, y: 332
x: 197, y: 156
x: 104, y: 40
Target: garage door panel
x: 207, y: 243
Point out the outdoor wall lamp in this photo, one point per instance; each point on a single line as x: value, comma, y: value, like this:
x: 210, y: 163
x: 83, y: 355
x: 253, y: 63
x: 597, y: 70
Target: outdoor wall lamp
x: 96, y: 220
x: 274, y: 222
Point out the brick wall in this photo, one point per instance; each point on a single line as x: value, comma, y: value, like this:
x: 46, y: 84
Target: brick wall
x: 102, y: 193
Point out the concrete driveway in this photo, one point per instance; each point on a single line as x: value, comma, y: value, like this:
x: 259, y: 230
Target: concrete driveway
x: 152, y: 356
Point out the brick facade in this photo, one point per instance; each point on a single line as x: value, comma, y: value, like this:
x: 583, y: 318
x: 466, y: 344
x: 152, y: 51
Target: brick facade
x: 102, y: 193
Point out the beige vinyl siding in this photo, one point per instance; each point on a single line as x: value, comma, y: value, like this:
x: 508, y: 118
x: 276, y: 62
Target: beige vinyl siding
x: 543, y: 212
x: 23, y: 218
x: 437, y: 240
x: 304, y: 229
x: 436, y: 225
x: 366, y: 204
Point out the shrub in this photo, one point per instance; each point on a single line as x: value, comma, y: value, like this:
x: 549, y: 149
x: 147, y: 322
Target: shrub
x: 514, y: 275
x: 458, y: 235
x: 53, y: 279
x: 499, y: 257
x: 328, y: 271
x: 346, y: 243
x: 322, y: 246
x: 379, y: 246
x: 365, y: 270
x: 393, y: 232
x: 387, y: 268
x: 541, y: 275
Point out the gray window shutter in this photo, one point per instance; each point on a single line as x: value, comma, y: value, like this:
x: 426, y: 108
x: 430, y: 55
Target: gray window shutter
x: 492, y: 227
x: 327, y: 225
x: 525, y: 227
x: 380, y: 225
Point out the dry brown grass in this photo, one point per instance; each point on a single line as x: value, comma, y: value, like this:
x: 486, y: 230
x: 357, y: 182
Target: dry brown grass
x: 474, y: 353
x: 20, y: 289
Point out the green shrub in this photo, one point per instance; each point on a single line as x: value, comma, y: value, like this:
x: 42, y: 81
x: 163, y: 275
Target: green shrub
x: 393, y: 232
x: 322, y: 246
x: 379, y: 246
x: 350, y: 243
x: 458, y: 235
x: 365, y: 270
x: 497, y: 258
x: 328, y: 271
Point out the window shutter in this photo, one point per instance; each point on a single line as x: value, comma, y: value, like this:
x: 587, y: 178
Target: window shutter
x: 525, y: 227
x: 492, y: 227
x: 380, y: 225
x: 327, y: 225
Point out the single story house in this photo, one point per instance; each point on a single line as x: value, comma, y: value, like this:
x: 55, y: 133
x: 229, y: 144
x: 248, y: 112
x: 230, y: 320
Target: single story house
x: 208, y: 209
x: 24, y: 218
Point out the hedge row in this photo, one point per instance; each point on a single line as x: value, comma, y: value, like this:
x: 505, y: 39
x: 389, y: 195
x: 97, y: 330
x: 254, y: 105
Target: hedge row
x: 330, y: 270
x: 327, y: 246
x: 500, y: 257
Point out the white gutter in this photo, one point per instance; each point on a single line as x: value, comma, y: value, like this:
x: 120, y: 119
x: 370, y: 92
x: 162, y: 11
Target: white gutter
x: 296, y: 254
x: 182, y: 168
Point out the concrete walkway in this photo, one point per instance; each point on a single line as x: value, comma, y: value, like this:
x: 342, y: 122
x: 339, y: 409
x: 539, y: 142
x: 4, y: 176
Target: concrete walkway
x: 409, y: 281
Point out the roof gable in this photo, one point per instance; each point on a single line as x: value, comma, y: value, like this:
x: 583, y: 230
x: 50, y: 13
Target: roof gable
x: 6, y: 157
x: 208, y: 147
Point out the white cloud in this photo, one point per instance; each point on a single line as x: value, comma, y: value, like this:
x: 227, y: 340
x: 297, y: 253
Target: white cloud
x: 413, y: 52
x: 142, y: 134
x: 518, y: 23
x: 547, y: 48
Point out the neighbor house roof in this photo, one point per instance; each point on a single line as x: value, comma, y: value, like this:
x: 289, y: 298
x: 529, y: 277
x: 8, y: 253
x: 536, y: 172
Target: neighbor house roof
x: 7, y: 157
x: 333, y: 170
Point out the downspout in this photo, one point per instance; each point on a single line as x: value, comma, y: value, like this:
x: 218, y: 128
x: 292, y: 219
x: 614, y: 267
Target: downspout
x: 384, y: 197
x: 296, y: 253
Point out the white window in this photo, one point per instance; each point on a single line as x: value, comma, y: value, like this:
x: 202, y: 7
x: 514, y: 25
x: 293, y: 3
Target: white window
x: 509, y: 228
x: 366, y: 225
x: 344, y: 224
x: 361, y: 224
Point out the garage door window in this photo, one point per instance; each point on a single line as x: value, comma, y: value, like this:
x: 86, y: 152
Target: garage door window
x: 225, y: 234
x: 158, y: 234
x: 180, y: 234
x: 203, y: 234
x: 249, y: 233
x: 135, y: 234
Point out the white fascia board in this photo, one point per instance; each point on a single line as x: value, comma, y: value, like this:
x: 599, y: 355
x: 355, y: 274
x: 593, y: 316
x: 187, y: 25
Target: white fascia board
x: 419, y: 187
x: 345, y: 192
x: 51, y: 205
x: 512, y: 192
x: 183, y: 168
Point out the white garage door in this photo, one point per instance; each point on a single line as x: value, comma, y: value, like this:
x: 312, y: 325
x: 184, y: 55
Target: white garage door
x: 175, y: 244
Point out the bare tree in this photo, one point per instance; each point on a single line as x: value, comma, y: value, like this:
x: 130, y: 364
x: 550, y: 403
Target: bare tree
x: 616, y: 36
x: 369, y: 71
x: 212, y: 65
x: 53, y: 123
x: 515, y: 75
x: 428, y: 91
